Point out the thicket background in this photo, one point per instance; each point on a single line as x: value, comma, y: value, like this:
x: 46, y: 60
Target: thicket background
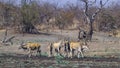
x: 33, y: 15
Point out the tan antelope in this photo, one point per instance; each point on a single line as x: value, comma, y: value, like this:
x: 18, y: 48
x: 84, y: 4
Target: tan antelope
x: 56, y: 47
x: 79, y: 47
x: 30, y: 46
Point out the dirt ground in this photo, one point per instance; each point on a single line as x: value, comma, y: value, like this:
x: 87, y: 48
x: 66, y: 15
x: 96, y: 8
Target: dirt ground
x: 104, y: 51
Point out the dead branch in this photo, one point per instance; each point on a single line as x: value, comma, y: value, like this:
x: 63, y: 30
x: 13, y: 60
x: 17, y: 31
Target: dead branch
x: 99, y: 9
x: 8, y: 41
x: 92, y: 2
x: 96, y: 12
x: 103, y: 4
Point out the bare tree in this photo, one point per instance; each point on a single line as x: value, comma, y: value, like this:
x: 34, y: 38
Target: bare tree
x: 90, y: 18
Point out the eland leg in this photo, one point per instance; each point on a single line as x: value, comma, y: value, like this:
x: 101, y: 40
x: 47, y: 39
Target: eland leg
x: 82, y: 54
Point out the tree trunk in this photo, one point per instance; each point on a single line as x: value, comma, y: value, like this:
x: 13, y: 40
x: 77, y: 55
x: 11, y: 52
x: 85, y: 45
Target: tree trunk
x: 90, y: 31
x: 29, y: 28
x: 89, y: 28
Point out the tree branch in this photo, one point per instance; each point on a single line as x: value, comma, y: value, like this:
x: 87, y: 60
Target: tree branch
x: 86, y: 10
x: 101, y: 3
x: 99, y: 9
x: 89, y: 18
x: 92, y: 2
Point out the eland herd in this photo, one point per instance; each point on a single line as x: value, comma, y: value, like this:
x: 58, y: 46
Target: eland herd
x: 64, y: 48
